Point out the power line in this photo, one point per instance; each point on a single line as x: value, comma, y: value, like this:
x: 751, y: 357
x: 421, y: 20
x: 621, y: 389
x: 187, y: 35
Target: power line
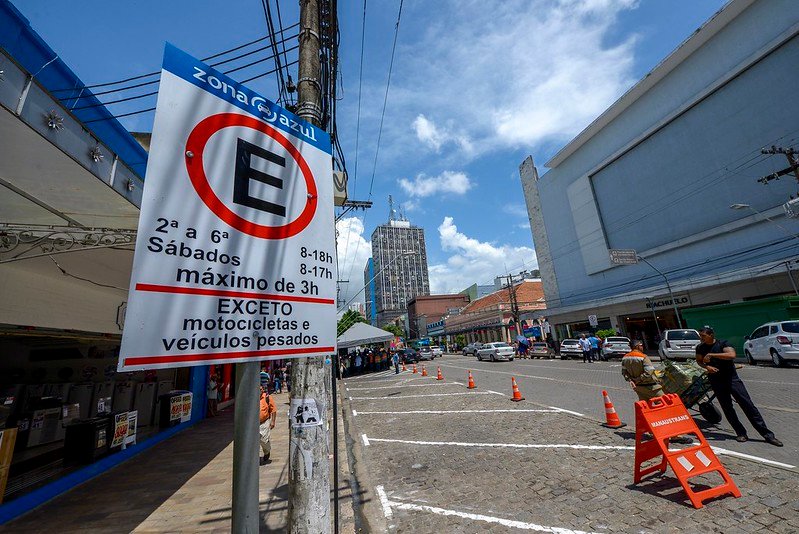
x: 360, y: 94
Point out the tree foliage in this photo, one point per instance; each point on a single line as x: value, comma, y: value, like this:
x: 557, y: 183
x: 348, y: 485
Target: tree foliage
x: 349, y: 318
x: 394, y: 329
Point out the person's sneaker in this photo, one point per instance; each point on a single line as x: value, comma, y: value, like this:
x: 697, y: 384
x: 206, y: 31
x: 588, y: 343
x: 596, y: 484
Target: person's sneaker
x: 741, y: 439
x: 774, y: 441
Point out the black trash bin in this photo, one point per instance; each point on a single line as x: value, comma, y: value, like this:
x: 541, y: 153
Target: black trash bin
x: 86, y: 440
x: 170, y: 408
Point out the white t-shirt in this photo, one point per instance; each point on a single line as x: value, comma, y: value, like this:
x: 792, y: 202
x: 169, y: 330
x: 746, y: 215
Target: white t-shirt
x: 585, y: 345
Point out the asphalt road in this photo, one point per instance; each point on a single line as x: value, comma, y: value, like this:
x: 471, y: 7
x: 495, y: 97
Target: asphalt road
x: 576, y: 386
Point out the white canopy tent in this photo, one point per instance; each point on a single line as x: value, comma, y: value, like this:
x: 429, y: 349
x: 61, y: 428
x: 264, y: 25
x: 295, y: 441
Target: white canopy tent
x: 363, y: 334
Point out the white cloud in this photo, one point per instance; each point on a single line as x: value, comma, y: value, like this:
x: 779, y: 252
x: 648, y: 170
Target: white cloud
x: 473, y: 261
x: 435, y: 136
x: 446, y: 182
x: 533, y: 71
x: 353, y: 252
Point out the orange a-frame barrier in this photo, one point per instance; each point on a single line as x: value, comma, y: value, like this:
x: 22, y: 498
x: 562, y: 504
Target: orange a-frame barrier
x: 666, y: 417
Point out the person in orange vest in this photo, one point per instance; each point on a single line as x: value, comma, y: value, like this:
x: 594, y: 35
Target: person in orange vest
x: 268, y: 416
x: 637, y: 368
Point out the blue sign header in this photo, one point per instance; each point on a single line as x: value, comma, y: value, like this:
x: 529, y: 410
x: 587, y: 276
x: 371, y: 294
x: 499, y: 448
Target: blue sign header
x: 220, y: 85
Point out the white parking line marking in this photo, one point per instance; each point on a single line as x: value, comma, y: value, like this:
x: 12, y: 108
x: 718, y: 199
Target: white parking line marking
x: 384, y: 502
x: 517, y: 375
x: 354, y: 413
x: 460, y: 411
x: 365, y: 440
x: 475, y: 517
x: 410, y: 386
x: 505, y: 445
x: 495, y: 393
x: 728, y: 452
x: 567, y: 411
x: 425, y: 395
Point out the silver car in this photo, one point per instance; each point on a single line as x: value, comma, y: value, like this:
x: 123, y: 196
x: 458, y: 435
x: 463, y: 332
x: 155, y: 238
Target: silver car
x: 679, y: 344
x: 775, y: 342
x: 498, y: 350
x: 570, y: 348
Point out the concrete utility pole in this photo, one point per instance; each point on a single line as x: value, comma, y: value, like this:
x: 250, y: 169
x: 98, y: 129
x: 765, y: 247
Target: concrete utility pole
x: 514, y: 305
x: 309, y: 466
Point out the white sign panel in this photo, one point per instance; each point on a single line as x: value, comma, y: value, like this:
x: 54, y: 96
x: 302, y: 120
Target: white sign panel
x: 304, y: 413
x: 592, y: 320
x: 235, y: 250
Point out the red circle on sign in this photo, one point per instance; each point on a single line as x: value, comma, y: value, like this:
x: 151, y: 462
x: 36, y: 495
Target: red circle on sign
x: 195, y: 144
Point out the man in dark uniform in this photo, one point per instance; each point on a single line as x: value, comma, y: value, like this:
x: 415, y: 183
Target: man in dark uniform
x: 717, y: 357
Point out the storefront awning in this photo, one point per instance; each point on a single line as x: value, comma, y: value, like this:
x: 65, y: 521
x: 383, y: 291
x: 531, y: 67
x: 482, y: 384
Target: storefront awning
x: 363, y: 334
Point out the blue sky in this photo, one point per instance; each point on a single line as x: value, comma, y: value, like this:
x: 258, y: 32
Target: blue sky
x: 476, y: 87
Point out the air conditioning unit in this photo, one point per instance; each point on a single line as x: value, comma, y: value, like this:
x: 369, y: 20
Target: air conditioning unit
x: 339, y: 188
x: 791, y: 208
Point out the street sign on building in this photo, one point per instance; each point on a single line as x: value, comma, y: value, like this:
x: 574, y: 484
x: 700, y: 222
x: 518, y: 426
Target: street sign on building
x: 593, y: 321
x: 235, y: 250
x: 623, y: 256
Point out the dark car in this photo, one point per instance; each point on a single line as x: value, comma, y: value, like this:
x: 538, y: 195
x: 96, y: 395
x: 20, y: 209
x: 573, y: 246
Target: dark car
x: 409, y: 356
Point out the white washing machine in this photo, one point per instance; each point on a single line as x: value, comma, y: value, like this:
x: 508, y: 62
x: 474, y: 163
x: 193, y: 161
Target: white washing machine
x: 101, y: 399
x: 81, y: 394
x: 123, y: 396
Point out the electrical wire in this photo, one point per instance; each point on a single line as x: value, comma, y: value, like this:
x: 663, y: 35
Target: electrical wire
x: 360, y: 94
x: 65, y: 273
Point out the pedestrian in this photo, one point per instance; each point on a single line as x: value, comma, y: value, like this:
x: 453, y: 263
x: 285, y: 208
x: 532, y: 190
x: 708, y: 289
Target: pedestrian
x: 718, y: 358
x: 358, y: 362
x: 594, y: 341
x: 638, y: 370
x: 265, y: 378
x: 268, y: 416
x: 278, y: 381
x: 585, y: 346
x: 213, y: 386
x: 395, y: 359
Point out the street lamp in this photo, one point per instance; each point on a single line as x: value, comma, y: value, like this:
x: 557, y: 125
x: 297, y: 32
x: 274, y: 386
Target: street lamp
x: 738, y: 206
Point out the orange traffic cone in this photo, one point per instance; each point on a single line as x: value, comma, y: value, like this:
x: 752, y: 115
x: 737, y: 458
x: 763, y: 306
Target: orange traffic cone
x: 471, y: 382
x: 424, y: 371
x: 403, y: 367
x: 517, y: 395
x: 414, y: 368
x: 440, y: 376
x: 611, y: 416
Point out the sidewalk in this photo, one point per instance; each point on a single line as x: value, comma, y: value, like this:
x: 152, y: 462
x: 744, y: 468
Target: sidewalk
x: 181, y: 485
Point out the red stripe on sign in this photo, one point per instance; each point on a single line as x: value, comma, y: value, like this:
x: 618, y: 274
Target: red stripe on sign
x: 156, y: 288
x: 143, y: 360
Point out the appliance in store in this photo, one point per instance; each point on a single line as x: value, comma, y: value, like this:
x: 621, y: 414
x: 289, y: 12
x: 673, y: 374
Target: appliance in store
x: 164, y: 388
x: 123, y: 396
x: 45, y: 426
x: 10, y: 404
x: 86, y: 440
x: 144, y: 402
x: 81, y: 394
x: 101, y: 399
x: 170, y: 408
x: 60, y: 391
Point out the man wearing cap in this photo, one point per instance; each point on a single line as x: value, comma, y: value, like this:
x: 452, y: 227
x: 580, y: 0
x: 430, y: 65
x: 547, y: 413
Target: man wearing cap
x: 718, y: 358
x: 637, y: 368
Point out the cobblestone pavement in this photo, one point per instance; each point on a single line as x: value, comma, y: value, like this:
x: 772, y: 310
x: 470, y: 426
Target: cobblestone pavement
x: 444, y: 471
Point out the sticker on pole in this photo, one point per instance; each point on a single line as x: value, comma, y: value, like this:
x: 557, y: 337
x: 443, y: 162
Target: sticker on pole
x: 234, y: 257
x: 304, y: 413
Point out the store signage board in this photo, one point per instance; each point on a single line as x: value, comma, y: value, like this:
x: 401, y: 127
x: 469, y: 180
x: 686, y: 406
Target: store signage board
x: 621, y: 256
x: 592, y: 320
x: 235, y: 249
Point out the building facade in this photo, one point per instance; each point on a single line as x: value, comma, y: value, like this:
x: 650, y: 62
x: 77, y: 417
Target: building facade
x: 370, y: 302
x: 661, y: 172
x: 491, y: 318
x: 425, y: 310
x: 400, y: 264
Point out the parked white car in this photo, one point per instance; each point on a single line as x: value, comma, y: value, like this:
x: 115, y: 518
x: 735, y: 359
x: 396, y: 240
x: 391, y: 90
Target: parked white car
x: 436, y: 350
x: 679, y: 344
x: 615, y: 347
x: 570, y: 348
x: 774, y: 342
x: 497, y: 350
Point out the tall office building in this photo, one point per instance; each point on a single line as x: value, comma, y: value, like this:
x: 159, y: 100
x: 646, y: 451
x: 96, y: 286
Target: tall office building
x: 399, y: 277
x: 369, y: 292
